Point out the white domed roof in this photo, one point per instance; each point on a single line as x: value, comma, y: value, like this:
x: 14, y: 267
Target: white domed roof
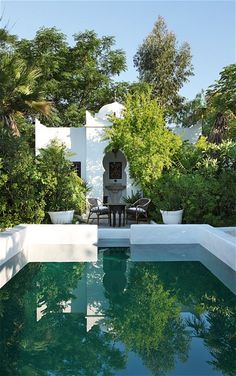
x: 114, y: 108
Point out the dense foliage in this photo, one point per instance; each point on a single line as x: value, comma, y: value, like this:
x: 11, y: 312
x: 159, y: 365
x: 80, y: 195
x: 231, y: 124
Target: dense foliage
x: 215, y: 109
x: 75, y: 78
x: 198, y: 178
x: 30, y: 185
x: 49, y: 78
x: 202, y: 183
x: 21, y: 200
x: 20, y: 95
x: 62, y: 187
x: 142, y: 136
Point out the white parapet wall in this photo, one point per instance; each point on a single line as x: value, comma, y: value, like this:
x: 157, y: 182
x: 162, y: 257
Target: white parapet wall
x: 78, y: 243
x: 62, y: 234
x: 12, y: 241
x: 219, y: 243
x: 62, y: 243
x: 45, y: 243
x: 113, y: 233
x: 12, y: 245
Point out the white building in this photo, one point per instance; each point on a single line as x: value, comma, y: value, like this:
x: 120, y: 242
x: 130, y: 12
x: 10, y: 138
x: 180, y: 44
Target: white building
x: 106, y: 173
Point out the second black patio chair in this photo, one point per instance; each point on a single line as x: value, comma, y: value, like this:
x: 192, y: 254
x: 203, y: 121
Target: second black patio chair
x: 138, y: 210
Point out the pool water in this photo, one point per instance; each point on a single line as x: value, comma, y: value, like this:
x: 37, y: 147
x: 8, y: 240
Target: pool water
x: 117, y: 317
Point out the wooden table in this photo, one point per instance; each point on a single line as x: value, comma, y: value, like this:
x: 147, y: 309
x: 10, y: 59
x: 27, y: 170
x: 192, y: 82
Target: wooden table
x: 116, y: 208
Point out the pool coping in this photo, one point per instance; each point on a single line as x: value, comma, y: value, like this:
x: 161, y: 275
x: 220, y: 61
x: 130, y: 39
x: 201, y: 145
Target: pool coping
x: 33, y: 241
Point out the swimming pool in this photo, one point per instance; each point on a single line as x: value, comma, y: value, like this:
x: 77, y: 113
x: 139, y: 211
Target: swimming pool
x: 143, y: 310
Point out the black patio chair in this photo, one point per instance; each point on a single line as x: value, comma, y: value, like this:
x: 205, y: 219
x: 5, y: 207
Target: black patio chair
x: 96, y: 207
x: 139, y: 210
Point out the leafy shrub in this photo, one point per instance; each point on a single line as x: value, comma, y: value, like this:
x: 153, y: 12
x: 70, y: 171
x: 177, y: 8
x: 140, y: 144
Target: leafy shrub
x: 130, y: 200
x: 204, y: 189
x: 63, y: 189
x: 21, y: 199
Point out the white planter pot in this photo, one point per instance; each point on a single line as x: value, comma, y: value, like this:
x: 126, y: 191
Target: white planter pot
x: 172, y: 217
x: 61, y: 217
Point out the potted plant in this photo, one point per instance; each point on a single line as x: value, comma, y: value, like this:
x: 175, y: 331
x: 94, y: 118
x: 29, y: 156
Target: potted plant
x: 172, y: 216
x: 170, y: 199
x: 61, y: 209
x: 64, y: 191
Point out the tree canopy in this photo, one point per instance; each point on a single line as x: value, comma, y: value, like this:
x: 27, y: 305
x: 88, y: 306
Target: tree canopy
x: 164, y: 64
x: 141, y: 134
x: 74, y: 78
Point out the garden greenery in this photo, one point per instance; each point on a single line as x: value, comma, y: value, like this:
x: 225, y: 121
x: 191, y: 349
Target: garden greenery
x: 21, y: 199
x: 37, y: 77
x: 30, y: 186
x: 198, y: 178
x: 141, y: 134
x: 63, y: 188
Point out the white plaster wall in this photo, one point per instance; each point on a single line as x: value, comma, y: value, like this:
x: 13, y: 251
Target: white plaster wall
x: 20, y: 237
x: 94, y: 157
x: 12, y: 242
x: 45, y: 243
x: 220, y: 244
x: 73, y: 138
x: 190, y: 134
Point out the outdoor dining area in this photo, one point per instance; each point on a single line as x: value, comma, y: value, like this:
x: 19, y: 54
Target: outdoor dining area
x: 117, y: 213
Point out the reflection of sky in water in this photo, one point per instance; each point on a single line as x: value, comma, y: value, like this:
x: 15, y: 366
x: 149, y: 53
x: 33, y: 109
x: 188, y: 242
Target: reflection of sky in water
x: 119, y: 317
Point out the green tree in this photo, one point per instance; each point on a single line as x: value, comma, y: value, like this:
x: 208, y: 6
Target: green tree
x: 215, y: 110
x: 77, y: 77
x: 221, y: 100
x: 147, y: 320
x: 192, y: 112
x: 63, y: 189
x: 20, y: 95
x: 58, y: 343
x: 142, y: 136
x: 164, y: 64
x: 200, y: 181
x: 21, y: 199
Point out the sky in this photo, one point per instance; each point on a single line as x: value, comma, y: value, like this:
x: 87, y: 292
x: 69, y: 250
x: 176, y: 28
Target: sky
x: 208, y: 26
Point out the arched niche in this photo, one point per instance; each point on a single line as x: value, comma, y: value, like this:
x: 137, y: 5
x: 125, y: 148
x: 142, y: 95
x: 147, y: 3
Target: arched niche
x: 114, y: 176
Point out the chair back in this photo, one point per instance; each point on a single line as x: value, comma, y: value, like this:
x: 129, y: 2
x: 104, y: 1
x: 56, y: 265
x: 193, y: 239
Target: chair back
x: 142, y: 203
x: 93, y: 202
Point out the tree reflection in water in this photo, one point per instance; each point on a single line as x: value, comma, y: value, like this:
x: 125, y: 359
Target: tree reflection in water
x: 58, y: 343
x: 144, y: 314
x: 146, y: 318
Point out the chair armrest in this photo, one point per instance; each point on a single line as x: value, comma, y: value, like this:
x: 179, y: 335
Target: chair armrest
x: 142, y: 207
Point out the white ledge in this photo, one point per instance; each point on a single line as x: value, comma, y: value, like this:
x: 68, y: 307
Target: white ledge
x: 218, y: 242
x: 68, y: 243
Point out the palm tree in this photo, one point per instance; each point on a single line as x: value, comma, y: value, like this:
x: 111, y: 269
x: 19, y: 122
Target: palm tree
x: 20, y: 96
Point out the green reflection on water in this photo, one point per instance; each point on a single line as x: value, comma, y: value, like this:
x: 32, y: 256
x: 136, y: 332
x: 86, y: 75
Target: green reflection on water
x: 85, y: 319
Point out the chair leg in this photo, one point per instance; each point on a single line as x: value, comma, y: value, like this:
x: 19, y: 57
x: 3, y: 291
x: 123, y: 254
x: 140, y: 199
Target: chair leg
x: 98, y: 219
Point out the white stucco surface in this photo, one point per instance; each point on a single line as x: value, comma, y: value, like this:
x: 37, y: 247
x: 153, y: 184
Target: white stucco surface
x: 12, y: 242
x: 220, y: 244
x: 51, y: 243
x: 68, y: 243
x: 94, y: 158
x: 73, y: 138
x: 190, y: 134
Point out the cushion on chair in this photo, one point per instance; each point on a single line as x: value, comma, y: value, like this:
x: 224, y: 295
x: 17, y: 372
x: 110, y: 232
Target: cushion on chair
x: 99, y: 209
x: 134, y: 210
